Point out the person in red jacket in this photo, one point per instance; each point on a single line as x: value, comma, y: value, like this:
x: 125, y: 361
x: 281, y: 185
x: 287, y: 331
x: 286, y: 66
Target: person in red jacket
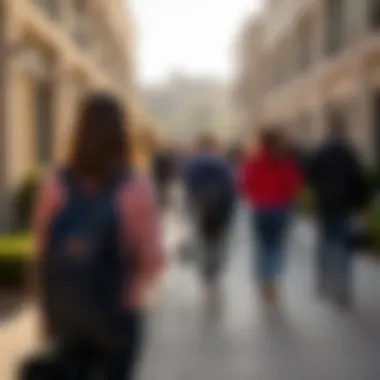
x: 269, y: 181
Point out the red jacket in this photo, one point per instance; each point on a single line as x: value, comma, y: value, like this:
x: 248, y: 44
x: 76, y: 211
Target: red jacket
x: 267, y: 182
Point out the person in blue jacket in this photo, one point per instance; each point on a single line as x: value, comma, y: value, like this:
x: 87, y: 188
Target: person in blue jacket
x: 210, y: 188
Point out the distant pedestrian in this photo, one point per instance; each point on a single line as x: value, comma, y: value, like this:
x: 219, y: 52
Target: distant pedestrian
x: 163, y: 170
x: 270, y: 181
x: 210, y: 189
x: 299, y: 154
x: 98, y: 249
x: 336, y: 178
x: 234, y: 154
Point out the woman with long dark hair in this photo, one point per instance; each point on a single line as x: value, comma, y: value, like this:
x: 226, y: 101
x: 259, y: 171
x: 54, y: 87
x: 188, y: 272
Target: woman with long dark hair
x: 98, y: 247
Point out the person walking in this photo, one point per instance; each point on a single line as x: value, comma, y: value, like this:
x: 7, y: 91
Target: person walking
x: 234, y: 154
x: 163, y: 168
x: 269, y: 181
x: 210, y: 190
x: 98, y: 248
x: 336, y: 179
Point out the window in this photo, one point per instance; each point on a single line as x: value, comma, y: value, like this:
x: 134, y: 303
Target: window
x: 278, y: 67
x: 274, y: 70
x: 79, y: 6
x: 374, y: 13
x: 81, y: 35
x: 44, y: 121
x: 288, y: 62
x: 281, y: 65
x: 305, y: 45
x: 51, y: 7
x: 336, y: 27
x: 81, y: 24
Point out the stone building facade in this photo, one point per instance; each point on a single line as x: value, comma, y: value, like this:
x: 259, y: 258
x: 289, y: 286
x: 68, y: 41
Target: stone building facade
x: 251, y: 83
x: 320, y: 56
x: 52, y: 52
x: 185, y: 106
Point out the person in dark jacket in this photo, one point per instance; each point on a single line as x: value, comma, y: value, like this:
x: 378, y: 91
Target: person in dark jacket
x: 299, y: 155
x: 336, y: 178
x: 210, y: 188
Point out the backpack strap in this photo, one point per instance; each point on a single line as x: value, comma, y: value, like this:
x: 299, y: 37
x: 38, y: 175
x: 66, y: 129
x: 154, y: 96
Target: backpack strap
x: 89, y: 204
x: 117, y: 179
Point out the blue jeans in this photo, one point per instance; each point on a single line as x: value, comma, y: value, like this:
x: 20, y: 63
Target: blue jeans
x: 334, y: 256
x: 270, y: 227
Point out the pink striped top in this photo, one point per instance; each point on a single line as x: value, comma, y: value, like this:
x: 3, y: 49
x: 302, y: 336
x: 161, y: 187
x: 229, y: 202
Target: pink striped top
x: 140, y: 225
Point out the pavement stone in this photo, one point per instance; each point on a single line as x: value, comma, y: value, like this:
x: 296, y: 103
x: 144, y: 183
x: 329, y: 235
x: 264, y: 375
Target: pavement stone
x: 308, y: 340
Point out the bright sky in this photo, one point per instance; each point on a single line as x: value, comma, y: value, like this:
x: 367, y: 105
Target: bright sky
x: 191, y: 36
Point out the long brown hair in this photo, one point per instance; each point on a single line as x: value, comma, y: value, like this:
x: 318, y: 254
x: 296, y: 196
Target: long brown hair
x: 101, y: 138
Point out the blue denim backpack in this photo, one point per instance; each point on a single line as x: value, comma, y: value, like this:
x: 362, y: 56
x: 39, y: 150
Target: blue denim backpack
x: 83, y: 268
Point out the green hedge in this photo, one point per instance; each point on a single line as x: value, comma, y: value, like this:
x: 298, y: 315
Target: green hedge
x: 15, y: 261
x: 14, y: 245
x: 15, y: 249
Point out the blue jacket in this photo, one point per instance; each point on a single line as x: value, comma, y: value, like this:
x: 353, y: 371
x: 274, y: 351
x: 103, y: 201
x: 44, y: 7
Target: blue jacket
x: 203, y: 170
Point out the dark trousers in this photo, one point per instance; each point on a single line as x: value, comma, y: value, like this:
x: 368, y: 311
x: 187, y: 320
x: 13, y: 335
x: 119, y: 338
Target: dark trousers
x: 213, y: 254
x: 334, y: 256
x: 213, y: 238
x: 84, y: 361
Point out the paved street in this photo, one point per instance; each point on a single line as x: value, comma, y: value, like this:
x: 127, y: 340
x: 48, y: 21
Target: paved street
x: 309, y: 340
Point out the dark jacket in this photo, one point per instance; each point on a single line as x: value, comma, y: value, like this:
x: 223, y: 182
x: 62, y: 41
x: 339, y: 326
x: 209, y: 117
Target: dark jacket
x: 300, y: 157
x: 199, y: 172
x: 210, y: 177
x: 337, y: 178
